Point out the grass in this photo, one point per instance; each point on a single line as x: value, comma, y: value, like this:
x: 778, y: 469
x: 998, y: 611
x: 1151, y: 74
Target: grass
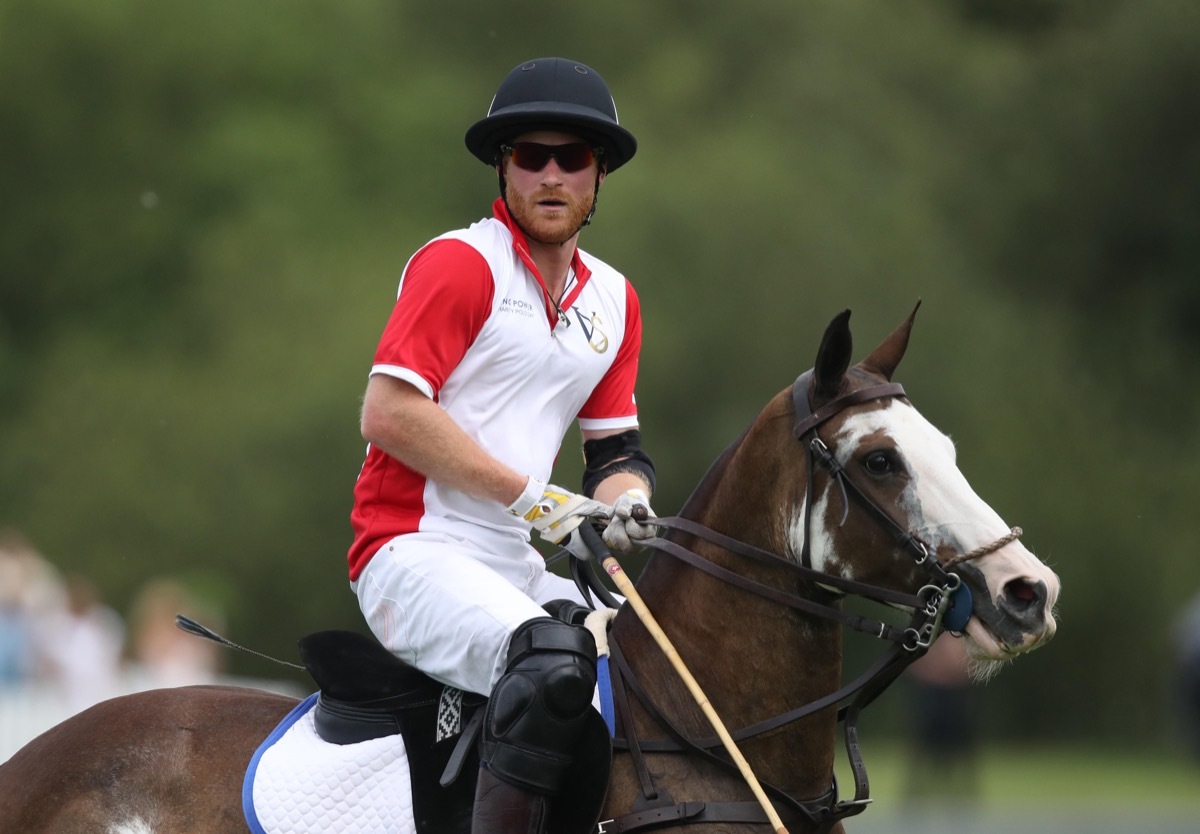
x: 1040, y: 777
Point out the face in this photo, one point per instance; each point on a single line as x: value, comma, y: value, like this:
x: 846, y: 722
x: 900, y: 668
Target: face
x: 549, y: 205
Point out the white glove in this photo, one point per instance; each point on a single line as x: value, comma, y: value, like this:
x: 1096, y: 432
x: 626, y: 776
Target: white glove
x: 556, y: 512
x: 623, y: 530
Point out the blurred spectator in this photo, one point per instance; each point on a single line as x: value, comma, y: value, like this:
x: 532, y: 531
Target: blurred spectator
x: 29, y: 589
x: 81, y: 647
x: 164, y: 654
x: 15, y: 654
x: 945, y: 746
x: 1187, y: 675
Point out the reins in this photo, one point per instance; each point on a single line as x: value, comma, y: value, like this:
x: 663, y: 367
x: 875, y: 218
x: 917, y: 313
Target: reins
x: 929, y: 608
x: 907, y: 645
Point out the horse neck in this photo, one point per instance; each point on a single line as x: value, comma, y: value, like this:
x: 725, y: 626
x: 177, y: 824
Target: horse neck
x: 754, y: 658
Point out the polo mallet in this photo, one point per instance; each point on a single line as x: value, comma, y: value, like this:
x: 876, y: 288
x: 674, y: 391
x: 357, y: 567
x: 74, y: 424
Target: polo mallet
x: 599, y: 549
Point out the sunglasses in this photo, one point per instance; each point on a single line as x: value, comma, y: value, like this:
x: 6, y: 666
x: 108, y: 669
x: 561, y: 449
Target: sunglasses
x: 534, y: 156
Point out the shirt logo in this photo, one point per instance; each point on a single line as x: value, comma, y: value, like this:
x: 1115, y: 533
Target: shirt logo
x: 596, y: 338
x: 518, y: 306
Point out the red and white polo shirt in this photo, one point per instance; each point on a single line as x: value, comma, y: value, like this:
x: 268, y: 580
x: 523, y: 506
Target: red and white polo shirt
x: 474, y: 329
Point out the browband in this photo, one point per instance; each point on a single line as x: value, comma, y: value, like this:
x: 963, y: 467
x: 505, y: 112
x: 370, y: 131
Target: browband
x: 807, y: 419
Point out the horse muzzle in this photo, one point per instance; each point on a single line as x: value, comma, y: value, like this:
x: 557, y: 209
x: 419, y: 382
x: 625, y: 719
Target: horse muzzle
x: 1013, y: 615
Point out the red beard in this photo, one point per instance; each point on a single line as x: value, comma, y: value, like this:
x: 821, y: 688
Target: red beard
x: 537, y: 226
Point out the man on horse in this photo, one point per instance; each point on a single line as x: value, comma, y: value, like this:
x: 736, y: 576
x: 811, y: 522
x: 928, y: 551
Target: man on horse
x: 503, y: 334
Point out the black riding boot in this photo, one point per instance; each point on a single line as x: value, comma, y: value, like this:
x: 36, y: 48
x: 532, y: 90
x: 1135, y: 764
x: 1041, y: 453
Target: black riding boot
x: 534, y: 719
x: 501, y: 808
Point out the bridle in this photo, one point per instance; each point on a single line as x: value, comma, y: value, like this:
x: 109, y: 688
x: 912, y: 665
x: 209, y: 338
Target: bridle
x: 954, y: 595
x: 944, y: 602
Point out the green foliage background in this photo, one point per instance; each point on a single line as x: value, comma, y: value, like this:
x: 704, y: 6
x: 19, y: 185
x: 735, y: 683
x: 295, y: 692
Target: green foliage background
x: 205, y: 207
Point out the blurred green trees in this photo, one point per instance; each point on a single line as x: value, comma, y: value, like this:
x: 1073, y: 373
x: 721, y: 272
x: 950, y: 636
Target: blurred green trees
x: 206, y: 206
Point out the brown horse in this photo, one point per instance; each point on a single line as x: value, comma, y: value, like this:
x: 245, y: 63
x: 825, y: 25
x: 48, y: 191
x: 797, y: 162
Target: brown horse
x: 838, y: 487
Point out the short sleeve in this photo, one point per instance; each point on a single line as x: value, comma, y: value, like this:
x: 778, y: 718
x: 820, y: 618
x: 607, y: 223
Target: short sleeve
x: 445, y: 297
x: 612, y: 404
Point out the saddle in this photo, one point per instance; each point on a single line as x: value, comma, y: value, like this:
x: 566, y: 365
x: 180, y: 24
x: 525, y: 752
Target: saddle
x: 367, y: 693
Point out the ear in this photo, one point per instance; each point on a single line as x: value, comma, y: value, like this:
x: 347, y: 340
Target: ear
x: 833, y: 357
x: 884, y: 359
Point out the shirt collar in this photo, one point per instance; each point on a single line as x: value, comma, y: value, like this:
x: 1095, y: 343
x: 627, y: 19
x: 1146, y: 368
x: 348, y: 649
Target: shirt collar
x: 521, y: 245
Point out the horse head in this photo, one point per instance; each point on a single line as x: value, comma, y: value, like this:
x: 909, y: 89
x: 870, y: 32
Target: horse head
x: 915, y: 501
x: 842, y: 474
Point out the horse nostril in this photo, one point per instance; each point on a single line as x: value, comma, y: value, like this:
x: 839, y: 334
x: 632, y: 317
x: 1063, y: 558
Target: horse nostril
x: 1023, y: 598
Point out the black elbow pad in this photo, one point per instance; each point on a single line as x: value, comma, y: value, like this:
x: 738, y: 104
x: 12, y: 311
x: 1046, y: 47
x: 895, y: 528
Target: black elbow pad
x: 616, y: 453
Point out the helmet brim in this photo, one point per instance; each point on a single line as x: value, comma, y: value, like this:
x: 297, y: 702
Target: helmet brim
x: 484, y: 138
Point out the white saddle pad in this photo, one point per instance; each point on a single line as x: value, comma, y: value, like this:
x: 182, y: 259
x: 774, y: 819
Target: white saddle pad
x: 299, y: 784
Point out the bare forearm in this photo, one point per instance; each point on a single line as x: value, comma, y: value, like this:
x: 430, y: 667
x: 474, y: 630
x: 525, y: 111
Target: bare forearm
x: 617, y: 484
x: 413, y: 429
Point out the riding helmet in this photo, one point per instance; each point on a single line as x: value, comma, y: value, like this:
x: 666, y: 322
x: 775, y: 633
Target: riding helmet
x: 552, y: 94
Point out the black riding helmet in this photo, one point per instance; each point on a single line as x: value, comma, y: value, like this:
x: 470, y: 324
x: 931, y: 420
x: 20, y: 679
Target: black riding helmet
x: 552, y: 94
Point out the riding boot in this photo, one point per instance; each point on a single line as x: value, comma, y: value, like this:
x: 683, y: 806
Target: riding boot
x: 501, y: 808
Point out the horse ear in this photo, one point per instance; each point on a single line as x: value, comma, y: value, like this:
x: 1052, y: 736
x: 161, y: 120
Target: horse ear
x: 833, y: 357
x: 884, y: 359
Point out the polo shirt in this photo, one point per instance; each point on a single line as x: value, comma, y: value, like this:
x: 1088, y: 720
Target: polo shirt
x: 475, y: 329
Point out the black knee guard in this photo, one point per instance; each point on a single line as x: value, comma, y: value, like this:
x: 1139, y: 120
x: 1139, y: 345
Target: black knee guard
x: 538, y: 708
x: 567, y: 611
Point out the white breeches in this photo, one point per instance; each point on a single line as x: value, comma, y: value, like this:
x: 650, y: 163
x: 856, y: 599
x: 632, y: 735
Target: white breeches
x: 443, y: 605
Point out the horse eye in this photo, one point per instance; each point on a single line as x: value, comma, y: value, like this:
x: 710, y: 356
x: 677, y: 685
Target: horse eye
x: 880, y: 463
